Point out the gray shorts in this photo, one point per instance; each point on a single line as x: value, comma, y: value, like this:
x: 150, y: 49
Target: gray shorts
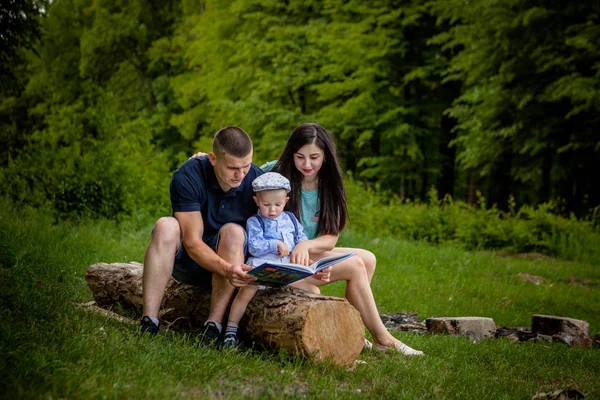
x: 186, y: 270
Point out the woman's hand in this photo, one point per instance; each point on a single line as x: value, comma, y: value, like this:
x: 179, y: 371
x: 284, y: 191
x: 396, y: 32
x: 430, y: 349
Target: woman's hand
x: 199, y: 154
x: 300, y: 254
x: 323, y: 275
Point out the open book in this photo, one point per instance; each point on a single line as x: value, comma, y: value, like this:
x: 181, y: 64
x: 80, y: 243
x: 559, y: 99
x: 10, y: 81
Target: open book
x: 274, y: 273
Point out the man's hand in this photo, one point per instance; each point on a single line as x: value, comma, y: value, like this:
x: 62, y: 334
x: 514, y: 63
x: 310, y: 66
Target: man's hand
x: 323, y: 275
x: 300, y: 254
x: 237, y: 276
x: 282, y: 249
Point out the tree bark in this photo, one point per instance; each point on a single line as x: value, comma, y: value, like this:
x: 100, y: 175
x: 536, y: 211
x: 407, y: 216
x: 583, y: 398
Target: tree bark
x: 306, y: 324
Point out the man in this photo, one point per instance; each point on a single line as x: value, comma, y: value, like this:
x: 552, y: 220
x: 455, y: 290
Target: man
x: 204, y: 240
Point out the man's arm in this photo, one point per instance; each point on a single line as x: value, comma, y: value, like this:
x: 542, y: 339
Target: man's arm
x: 192, y: 228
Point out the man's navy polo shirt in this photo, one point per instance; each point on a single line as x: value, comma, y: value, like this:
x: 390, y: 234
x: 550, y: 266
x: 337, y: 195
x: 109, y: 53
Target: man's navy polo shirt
x: 194, y: 187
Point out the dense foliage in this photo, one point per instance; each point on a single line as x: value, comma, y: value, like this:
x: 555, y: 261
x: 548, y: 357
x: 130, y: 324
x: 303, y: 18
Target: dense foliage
x: 108, y: 96
x: 528, y: 231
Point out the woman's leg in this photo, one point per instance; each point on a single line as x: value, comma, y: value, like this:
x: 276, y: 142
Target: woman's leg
x: 360, y: 295
x: 308, y: 284
x: 368, y: 258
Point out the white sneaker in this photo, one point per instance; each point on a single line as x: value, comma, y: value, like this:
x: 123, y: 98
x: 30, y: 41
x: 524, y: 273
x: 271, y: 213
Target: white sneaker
x: 404, y: 349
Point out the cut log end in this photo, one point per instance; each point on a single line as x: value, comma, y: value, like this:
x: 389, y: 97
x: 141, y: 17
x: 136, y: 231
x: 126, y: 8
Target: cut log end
x: 338, y: 339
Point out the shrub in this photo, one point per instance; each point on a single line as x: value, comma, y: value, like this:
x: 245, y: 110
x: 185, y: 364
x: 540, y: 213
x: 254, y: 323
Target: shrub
x: 529, y: 229
x: 110, y: 178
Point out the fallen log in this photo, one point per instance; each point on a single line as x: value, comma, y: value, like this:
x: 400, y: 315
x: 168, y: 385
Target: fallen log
x: 306, y: 324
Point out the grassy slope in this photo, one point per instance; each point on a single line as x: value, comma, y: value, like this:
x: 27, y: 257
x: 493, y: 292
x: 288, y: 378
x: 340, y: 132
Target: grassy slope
x: 53, y: 350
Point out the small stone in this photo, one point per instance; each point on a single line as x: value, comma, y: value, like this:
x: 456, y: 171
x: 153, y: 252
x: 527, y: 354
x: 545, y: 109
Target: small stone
x: 573, y: 341
x: 532, y: 278
x: 551, y: 325
x: 403, y: 322
x: 513, y: 338
x: 582, y: 342
x: 596, y: 342
x: 559, y: 394
x: 504, y: 331
x: 520, y: 334
x: 526, y: 334
x: 544, y: 338
x: 472, y: 336
x: 507, y: 333
x: 482, y: 327
x: 563, y: 337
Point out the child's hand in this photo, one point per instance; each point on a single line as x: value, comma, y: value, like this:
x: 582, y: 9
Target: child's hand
x: 323, y: 275
x: 282, y: 249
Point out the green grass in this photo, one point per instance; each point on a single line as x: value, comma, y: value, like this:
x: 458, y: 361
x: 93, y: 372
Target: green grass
x: 447, y: 281
x: 51, y: 349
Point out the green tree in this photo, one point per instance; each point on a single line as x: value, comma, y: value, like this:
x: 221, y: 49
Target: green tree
x: 19, y: 34
x: 383, y: 92
x: 98, y: 88
x: 364, y: 72
x: 527, y: 118
x: 250, y: 63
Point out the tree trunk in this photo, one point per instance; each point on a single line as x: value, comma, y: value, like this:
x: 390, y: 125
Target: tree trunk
x: 473, y: 188
x: 306, y: 324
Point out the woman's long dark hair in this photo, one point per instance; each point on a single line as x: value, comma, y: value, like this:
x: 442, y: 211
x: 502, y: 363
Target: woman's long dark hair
x: 332, y: 196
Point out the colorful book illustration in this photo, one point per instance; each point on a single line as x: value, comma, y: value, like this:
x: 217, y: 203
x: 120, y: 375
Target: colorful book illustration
x: 274, y: 273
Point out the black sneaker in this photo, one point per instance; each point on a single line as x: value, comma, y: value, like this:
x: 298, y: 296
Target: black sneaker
x: 211, y: 335
x: 230, y: 342
x: 147, y: 326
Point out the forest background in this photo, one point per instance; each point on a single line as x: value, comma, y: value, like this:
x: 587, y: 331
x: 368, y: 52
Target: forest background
x: 493, y: 104
x: 461, y: 125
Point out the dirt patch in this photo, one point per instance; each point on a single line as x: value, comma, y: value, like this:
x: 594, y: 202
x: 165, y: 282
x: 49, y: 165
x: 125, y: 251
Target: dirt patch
x: 526, y: 256
x: 579, y: 282
x: 535, y: 279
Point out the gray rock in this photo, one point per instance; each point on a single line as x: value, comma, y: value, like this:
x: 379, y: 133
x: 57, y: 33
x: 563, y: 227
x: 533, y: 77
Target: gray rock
x: 472, y: 336
x: 403, y: 322
x: 520, y: 334
x: 563, y: 337
x: 480, y: 326
x: 559, y: 394
x: 544, y: 338
x: 551, y: 325
x: 572, y: 341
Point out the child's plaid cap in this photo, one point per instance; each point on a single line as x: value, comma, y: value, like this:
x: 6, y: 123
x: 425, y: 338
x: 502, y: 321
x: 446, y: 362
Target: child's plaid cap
x: 271, y: 181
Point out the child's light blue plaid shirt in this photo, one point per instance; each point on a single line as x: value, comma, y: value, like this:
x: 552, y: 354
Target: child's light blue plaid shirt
x: 263, y: 244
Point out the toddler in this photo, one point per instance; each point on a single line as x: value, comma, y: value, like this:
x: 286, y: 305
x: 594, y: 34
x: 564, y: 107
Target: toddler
x: 272, y: 235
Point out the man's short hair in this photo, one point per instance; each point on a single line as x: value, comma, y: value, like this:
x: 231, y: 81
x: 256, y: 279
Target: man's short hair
x: 232, y: 140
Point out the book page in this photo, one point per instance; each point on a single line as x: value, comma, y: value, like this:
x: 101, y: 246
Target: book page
x: 331, y: 260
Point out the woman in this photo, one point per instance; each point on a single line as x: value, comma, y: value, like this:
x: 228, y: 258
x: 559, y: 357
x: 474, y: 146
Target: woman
x: 318, y: 199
